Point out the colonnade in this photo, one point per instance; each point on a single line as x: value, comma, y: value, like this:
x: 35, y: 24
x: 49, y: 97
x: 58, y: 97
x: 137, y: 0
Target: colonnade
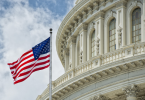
x: 130, y: 92
x: 74, y: 56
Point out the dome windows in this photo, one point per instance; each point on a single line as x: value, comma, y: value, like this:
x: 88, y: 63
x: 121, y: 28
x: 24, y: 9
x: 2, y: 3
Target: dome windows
x: 112, y: 35
x: 136, y: 25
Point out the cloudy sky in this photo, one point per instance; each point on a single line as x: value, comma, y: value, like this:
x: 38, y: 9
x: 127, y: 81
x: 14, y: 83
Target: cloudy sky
x: 23, y: 24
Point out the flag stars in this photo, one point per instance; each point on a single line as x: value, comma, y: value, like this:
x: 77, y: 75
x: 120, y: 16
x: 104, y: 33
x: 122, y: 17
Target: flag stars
x: 41, y: 48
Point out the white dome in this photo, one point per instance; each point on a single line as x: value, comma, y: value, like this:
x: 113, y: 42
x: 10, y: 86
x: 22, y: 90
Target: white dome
x: 101, y: 44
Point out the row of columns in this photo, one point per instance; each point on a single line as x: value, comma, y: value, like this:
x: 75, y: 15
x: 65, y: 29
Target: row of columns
x: 101, y: 37
x: 130, y: 92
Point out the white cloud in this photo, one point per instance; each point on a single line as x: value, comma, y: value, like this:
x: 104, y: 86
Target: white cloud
x: 71, y: 4
x: 22, y: 27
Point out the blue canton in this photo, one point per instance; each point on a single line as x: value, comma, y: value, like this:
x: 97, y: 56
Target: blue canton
x: 41, y: 48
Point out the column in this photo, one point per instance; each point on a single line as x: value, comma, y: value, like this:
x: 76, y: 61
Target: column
x: 120, y: 24
x: 77, y: 50
x: 72, y: 43
x: 66, y: 57
x: 131, y: 92
x: 89, y: 39
x: 83, y: 43
x: 99, y: 33
x: 143, y: 25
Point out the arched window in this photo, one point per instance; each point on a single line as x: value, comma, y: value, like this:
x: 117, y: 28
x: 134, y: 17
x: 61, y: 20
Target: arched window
x: 112, y: 35
x: 93, y: 43
x: 136, y: 25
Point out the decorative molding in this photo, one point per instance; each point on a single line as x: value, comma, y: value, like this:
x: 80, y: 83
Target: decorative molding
x: 84, y: 14
x: 95, y: 5
x: 97, y: 46
x: 75, y: 22
x: 119, y: 30
x: 103, y: 3
x: 71, y: 39
x: 100, y: 15
x: 72, y: 27
x: 90, y: 10
x: 85, y: 26
x: 122, y: 3
x: 135, y: 3
x: 79, y: 18
x: 132, y: 90
x: 99, y: 97
x: 66, y: 51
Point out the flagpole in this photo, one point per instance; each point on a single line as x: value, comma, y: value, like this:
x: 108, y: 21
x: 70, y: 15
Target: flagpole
x: 50, y: 67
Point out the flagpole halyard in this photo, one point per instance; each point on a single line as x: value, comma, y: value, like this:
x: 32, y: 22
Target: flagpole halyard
x: 50, y: 67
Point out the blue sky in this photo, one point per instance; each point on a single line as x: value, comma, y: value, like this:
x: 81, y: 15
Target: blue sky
x: 58, y: 7
x: 23, y: 24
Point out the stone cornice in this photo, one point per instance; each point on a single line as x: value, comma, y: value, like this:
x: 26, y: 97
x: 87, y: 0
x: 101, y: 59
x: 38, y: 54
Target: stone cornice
x: 71, y: 39
x: 119, y: 84
x: 122, y: 3
x: 83, y: 27
x: 97, y: 70
x: 100, y: 15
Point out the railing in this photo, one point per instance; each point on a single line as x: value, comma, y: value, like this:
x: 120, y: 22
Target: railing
x: 83, y: 68
x: 122, y: 53
x: 65, y: 77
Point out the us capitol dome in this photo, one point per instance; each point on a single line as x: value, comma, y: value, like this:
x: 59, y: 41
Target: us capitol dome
x: 101, y: 45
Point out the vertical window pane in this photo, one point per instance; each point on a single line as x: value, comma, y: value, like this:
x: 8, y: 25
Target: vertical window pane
x: 136, y: 25
x: 112, y: 35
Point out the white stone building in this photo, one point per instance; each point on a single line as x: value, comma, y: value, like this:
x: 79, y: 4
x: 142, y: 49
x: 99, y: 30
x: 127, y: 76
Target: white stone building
x: 101, y: 44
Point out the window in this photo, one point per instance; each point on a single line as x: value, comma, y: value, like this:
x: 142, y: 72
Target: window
x: 93, y: 43
x: 136, y: 25
x: 112, y: 35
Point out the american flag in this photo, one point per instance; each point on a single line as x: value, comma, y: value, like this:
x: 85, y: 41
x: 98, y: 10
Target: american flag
x: 37, y: 58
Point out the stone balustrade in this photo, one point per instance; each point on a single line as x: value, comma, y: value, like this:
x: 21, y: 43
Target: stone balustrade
x: 98, y: 61
x: 125, y: 52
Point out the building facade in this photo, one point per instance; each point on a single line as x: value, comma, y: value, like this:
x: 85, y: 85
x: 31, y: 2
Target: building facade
x: 101, y: 44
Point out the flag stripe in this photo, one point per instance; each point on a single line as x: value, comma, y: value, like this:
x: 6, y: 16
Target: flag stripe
x: 37, y: 58
x: 30, y: 51
x: 29, y: 67
x: 21, y: 80
x: 21, y: 61
x: 44, y: 57
x: 37, y: 66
